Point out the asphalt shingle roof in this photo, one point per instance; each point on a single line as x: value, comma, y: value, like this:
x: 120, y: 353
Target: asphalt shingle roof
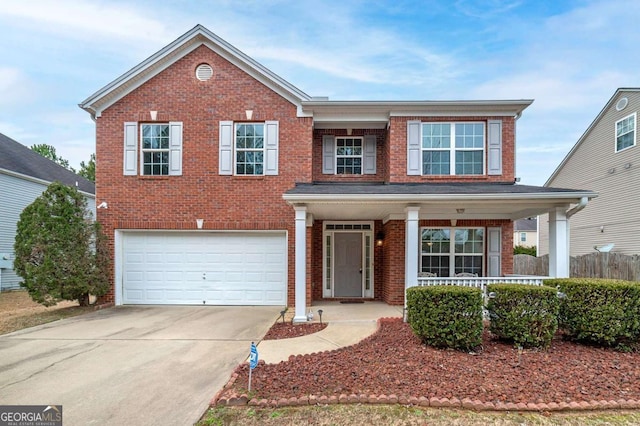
x: 17, y: 158
x: 422, y: 188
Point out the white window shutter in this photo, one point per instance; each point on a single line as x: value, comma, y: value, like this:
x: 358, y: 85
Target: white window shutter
x: 226, y: 148
x: 369, y: 155
x: 175, y: 148
x: 494, y: 252
x: 271, y: 147
x: 414, y: 145
x: 328, y: 155
x: 494, y: 137
x: 130, y: 148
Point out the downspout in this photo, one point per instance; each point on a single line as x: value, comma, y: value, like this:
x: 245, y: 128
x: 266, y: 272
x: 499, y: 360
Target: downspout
x: 581, y: 205
x: 575, y: 209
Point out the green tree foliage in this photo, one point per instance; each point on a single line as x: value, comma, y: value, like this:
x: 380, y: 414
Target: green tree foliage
x: 49, y: 151
x: 61, y: 253
x: 88, y: 170
x: 531, y: 251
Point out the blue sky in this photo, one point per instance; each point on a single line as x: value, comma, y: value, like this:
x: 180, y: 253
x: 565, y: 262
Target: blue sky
x: 569, y: 56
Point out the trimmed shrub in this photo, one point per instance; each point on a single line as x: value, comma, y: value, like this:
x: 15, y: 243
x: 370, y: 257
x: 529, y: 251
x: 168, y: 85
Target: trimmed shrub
x: 446, y: 316
x: 600, y: 311
x: 526, y: 315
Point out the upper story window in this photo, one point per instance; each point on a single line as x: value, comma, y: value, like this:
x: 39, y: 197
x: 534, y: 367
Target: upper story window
x: 248, y: 149
x: 349, y: 155
x: 159, y: 150
x: 453, y: 148
x: 523, y: 237
x: 626, y: 132
x: 155, y: 149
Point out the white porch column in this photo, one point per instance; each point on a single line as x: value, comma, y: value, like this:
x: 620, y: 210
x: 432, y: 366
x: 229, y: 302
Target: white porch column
x: 558, y: 243
x: 301, y: 264
x: 411, y: 245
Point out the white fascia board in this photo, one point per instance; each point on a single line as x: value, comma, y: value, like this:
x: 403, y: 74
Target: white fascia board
x: 40, y: 181
x: 419, y: 108
x: 179, y: 48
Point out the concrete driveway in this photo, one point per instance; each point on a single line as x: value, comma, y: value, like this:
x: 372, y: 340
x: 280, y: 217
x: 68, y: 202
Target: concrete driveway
x: 130, y: 365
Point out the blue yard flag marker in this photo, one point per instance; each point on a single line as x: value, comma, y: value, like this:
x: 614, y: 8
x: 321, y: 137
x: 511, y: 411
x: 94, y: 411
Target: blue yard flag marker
x: 253, y: 356
x: 253, y: 361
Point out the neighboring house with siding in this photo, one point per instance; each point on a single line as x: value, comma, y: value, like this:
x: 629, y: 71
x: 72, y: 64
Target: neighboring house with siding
x: 24, y: 176
x: 525, y: 232
x: 227, y: 185
x: 606, y: 159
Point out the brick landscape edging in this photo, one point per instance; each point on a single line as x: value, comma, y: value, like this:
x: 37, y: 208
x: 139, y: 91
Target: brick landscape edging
x: 236, y: 399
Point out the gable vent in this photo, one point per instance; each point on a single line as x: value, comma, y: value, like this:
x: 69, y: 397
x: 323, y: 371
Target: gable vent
x: 204, y: 72
x: 622, y: 103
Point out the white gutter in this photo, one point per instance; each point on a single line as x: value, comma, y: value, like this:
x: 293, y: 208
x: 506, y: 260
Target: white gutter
x: 581, y: 205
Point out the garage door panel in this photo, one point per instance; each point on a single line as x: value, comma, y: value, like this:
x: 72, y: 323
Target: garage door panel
x: 219, y: 268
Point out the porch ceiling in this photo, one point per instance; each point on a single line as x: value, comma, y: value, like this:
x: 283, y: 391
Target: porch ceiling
x: 436, y: 201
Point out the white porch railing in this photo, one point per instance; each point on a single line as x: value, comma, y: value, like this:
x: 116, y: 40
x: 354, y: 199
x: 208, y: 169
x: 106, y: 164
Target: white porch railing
x: 479, y: 282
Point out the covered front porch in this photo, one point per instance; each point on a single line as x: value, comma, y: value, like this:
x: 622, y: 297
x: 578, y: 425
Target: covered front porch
x: 372, y: 241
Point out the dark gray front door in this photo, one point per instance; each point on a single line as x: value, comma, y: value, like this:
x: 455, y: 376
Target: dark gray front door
x: 348, y: 264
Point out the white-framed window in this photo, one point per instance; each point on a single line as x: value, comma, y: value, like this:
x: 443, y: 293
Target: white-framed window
x: 249, y: 149
x: 523, y: 237
x: 453, y: 148
x: 626, y: 132
x: 450, y: 251
x: 349, y: 155
x: 155, y: 149
x: 159, y: 151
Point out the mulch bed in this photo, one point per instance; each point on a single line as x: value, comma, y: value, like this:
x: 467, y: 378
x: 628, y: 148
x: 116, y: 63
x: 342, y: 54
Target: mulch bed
x: 286, y: 330
x: 394, y: 361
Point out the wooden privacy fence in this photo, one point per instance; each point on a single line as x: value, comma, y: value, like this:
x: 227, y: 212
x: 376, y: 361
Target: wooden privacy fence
x: 592, y: 265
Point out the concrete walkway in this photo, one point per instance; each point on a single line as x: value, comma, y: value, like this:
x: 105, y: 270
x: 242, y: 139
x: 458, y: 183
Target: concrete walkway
x: 349, y: 323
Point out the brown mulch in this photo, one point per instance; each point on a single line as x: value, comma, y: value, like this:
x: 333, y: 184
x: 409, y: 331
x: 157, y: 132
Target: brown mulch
x: 286, y: 330
x: 394, y: 361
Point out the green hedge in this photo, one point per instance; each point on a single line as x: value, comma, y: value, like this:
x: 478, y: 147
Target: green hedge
x: 526, y: 315
x: 446, y: 316
x: 600, y: 311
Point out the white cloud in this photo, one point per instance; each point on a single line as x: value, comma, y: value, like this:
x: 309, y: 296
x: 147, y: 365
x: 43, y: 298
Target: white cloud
x: 82, y: 19
x: 14, y: 87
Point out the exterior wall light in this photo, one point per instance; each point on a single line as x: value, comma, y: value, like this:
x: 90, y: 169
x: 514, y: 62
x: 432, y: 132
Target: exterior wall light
x: 379, y: 239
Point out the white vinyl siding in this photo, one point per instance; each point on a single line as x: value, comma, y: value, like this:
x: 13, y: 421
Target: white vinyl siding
x: 594, y: 164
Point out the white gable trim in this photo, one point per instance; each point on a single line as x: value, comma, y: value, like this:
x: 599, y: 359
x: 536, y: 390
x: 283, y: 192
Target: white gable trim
x: 161, y: 60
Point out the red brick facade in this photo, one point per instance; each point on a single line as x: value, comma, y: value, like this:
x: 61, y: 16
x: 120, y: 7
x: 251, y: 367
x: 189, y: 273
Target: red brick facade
x: 228, y: 202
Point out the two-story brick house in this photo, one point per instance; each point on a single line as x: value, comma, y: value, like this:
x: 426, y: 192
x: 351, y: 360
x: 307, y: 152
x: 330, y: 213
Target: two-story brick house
x: 226, y: 184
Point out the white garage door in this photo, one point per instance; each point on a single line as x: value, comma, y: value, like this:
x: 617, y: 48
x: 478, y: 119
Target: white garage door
x: 215, y: 268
